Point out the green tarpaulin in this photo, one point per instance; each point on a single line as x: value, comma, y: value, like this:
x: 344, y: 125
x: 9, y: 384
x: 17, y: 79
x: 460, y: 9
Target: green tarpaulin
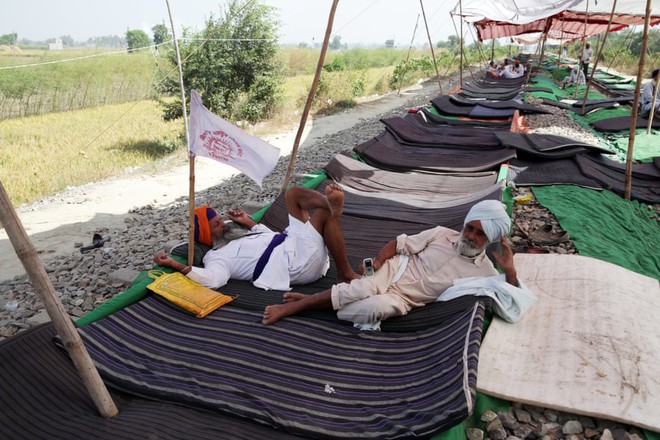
x: 605, y: 226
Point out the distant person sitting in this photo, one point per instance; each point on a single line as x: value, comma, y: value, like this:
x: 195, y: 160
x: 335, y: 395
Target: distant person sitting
x: 513, y: 70
x: 576, y: 77
x: 414, y: 270
x: 269, y: 259
x: 493, y: 69
x: 646, y: 98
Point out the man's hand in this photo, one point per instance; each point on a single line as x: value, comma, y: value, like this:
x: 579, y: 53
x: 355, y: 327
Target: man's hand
x: 505, y: 261
x: 163, y: 260
x: 239, y: 216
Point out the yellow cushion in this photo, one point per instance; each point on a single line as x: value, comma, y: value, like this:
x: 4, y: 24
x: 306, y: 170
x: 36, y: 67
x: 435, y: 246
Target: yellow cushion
x: 187, y: 294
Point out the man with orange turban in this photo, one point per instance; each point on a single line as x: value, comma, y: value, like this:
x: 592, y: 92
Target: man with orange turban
x: 272, y: 260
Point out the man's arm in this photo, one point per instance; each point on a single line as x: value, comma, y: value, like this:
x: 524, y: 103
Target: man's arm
x: 505, y: 262
x: 239, y: 216
x: 165, y: 260
x: 387, y: 252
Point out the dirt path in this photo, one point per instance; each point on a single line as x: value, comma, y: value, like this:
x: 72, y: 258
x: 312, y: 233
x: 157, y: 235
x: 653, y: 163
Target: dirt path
x: 57, y: 223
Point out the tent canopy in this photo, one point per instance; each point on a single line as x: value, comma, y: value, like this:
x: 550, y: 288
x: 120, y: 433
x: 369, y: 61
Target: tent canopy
x: 559, y: 19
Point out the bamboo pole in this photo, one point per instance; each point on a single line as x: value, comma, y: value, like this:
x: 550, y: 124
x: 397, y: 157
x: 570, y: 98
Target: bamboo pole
x: 460, y: 9
x: 62, y: 322
x: 405, y: 64
x: 598, y: 55
x: 191, y: 155
x: 310, y: 96
x: 638, y: 86
x: 428, y: 34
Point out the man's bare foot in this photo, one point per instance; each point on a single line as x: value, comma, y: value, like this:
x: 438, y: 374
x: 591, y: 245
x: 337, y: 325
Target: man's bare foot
x: 274, y: 313
x: 335, y: 196
x: 293, y: 296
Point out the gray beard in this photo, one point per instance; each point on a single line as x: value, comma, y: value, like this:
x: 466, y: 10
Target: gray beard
x: 468, y: 248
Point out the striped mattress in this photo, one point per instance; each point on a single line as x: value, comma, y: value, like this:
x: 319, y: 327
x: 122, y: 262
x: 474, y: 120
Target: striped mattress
x: 302, y: 375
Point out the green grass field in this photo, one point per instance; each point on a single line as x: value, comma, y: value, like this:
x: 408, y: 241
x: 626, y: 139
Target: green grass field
x: 42, y: 155
x: 67, y: 124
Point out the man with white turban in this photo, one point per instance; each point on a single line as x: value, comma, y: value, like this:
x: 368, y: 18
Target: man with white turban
x: 414, y: 270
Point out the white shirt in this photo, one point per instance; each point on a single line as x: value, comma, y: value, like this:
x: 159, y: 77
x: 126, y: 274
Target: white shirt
x: 647, y: 95
x: 587, y: 54
x: 237, y: 259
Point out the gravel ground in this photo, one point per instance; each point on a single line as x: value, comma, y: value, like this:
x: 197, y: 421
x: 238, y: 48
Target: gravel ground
x: 87, y: 280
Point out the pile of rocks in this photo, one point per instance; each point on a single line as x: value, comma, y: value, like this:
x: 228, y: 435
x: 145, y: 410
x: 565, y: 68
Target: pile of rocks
x: 530, y: 422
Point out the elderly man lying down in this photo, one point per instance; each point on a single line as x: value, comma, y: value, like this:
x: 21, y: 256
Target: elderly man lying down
x: 414, y: 270
x: 269, y: 259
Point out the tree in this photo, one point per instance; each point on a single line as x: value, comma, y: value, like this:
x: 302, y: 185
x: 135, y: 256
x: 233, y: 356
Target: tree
x: 336, y: 43
x: 136, y: 39
x: 9, y: 39
x: 389, y: 43
x: 67, y: 40
x: 233, y: 63
x: 161, y: 34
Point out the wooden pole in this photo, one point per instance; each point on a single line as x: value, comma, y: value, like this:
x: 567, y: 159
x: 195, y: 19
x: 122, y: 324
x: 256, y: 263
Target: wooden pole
x: 62, y: 322
x: 428, y: 34
x: 492, y: 49
x: 598, y: 55
x: 638, y: 86
x: 460, y: 9
x: 191, y: 155
x: 405, y: 64
x: 310, y: 96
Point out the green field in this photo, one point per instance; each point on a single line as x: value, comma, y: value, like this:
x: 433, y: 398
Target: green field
x: 89, y: 118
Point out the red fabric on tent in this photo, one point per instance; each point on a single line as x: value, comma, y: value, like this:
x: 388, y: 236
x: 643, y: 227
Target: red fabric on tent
x: 566, y: 25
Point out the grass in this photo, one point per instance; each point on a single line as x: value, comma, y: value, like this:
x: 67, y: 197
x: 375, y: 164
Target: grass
x: 105, y: 78
x: 42, y: 155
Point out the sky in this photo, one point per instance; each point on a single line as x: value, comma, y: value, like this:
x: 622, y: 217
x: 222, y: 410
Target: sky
x: 356, y: 21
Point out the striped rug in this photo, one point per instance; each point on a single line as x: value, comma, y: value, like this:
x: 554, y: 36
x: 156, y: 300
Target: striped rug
x: 301, y: 375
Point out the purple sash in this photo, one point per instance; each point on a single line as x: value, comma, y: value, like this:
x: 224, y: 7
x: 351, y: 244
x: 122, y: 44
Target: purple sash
x: 263, y: 260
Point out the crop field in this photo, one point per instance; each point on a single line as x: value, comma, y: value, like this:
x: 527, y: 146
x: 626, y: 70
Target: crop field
x: 77, y: 116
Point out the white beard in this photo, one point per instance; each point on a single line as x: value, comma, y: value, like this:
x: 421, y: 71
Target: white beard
x: 468, y: 248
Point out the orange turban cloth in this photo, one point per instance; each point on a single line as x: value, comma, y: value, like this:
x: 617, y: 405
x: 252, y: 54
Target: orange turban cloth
x: 202, y: 229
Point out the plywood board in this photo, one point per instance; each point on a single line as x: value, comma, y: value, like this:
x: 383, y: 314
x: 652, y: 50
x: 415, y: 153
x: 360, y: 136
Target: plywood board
x: 589, y: 345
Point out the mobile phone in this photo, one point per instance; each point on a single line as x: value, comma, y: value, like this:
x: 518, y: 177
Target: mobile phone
x: 368, y: 264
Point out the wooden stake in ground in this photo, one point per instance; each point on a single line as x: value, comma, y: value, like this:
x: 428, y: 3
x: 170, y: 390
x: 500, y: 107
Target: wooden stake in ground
x: 638, y: 86
x: 191, y: 156
x: 310, y: 96
x: 428, y: 34
x: 63, y: 324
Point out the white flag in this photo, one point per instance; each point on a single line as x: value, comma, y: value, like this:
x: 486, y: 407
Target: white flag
x: 213, y: 137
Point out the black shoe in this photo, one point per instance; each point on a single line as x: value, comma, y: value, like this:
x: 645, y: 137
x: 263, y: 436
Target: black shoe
x: 97, y: 242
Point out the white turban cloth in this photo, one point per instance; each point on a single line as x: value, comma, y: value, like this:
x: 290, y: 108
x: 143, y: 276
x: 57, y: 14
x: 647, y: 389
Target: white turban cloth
x: 493, y: 217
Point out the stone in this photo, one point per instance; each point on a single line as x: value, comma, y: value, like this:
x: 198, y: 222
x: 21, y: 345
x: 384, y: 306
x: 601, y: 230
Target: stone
x: 620, y: 434
x: 522, y: 415
x: 572, y: 427
x: 493, y: 425
x: 39, y: 318
x: 591, y: 433
x: 474, y: 434
x: 498, y: 434
x: 523, y: 431
x: 488, y: 416
x: 508, y: 420
x: 551, y: 415
x: 606, y: 435
x: 123, y: 277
